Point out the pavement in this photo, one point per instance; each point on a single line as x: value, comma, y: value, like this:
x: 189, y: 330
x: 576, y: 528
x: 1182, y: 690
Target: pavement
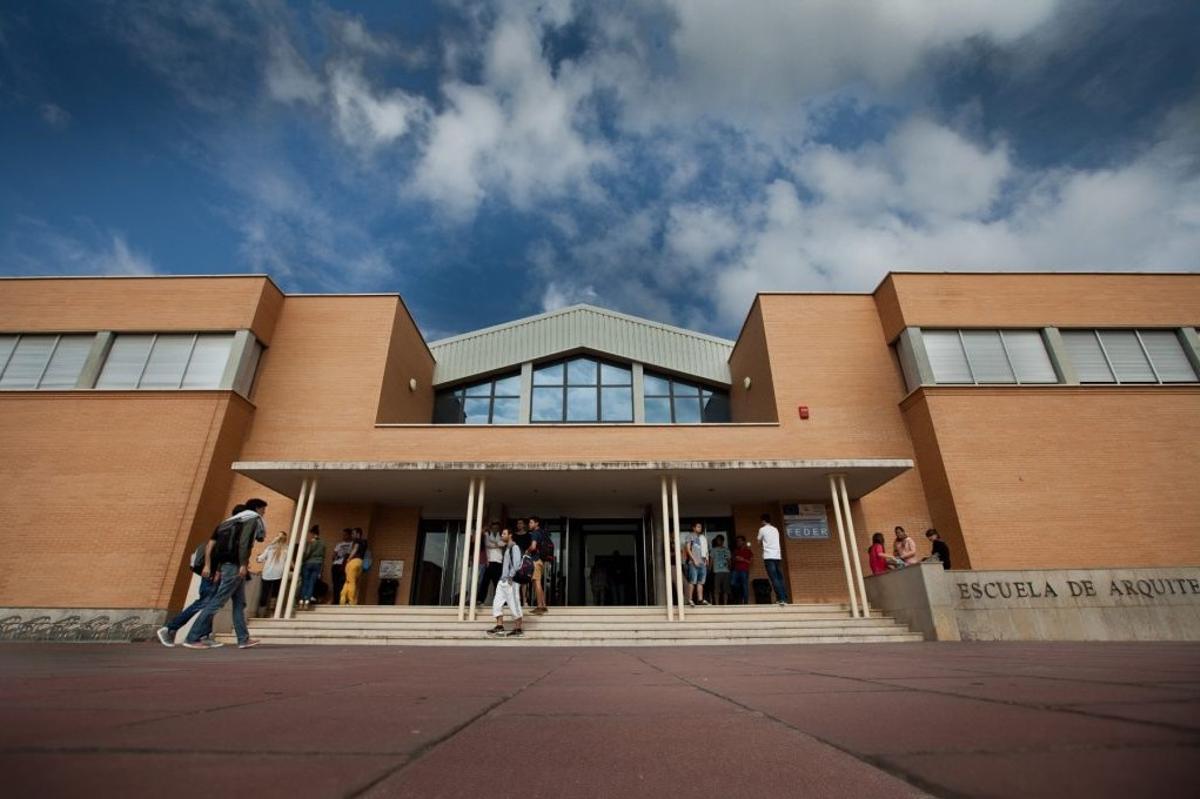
x: 883, y: 720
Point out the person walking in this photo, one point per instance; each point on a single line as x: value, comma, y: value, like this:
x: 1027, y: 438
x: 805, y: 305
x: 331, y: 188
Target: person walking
x: 506, y: 589
x: 227, y: 556
x: 695, y: 553
x: 337, y: 572
x: 272, y: 559
x: 354, y: 567
x: 772, y: 555
x: 313, y: 562
x: 166, y: 633
x: 720, y: 558
x: 743, y: 555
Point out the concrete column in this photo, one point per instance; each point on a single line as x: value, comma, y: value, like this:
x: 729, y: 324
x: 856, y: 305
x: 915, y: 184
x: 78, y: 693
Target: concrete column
x: 678, y: 547
x: 666, y: 541
x: 914, y: 360
x: 291, y: 554
x: 1058, y: 356
x: 1191, y: 346
x: 289, y: 609
x: 639, y: 394
x: 526, y: 393
x: 95, y: 360
x: 477, y: 540
x: 240, y: 351
x: 855, y: 558
x: 462, y: 580
x: 837, y: 514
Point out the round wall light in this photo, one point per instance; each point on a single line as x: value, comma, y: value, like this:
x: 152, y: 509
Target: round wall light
x: 746, y: 383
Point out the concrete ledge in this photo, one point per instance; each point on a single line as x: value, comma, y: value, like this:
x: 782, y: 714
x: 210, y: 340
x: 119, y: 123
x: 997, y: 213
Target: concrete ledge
x: 1135, y: 604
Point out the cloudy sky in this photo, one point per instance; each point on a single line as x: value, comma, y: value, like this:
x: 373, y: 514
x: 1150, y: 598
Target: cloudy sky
x: 666, y: 158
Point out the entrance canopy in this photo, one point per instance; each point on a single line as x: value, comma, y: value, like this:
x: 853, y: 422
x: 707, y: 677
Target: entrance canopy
x: 442, y: 484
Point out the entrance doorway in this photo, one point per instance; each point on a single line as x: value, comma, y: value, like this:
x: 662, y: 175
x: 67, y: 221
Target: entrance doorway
x: 606, y: 562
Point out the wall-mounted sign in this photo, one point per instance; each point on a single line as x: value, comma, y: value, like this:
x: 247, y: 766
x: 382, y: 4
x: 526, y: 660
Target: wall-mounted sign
x: 805, y: 522
x: 391, y: 569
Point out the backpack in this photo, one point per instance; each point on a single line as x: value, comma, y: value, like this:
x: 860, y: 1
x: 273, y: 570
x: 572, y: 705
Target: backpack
x: 546, y: 548
x: 197, y: 563
x: 227, y: 537
x: 524, y: 573
x: 367, y: 561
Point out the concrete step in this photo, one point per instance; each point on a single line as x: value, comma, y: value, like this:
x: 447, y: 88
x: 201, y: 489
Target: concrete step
x: 549, y: 623
x: 623, y: 609
x: 480, y: 639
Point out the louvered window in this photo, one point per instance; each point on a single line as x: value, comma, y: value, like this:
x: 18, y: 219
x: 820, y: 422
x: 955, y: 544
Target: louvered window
x: 988, y: 356
x: 1128, y: 356
x: 166, y: 361
x: 43, y: 362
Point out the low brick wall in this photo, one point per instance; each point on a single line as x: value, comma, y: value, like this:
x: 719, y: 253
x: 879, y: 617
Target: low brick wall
x: 78, y: 624
x: 1161, y: 604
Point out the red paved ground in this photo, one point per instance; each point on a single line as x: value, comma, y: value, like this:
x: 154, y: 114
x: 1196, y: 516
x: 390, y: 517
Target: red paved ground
x: 1026, y: 720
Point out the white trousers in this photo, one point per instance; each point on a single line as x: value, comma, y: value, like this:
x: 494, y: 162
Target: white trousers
x: 507, y: 594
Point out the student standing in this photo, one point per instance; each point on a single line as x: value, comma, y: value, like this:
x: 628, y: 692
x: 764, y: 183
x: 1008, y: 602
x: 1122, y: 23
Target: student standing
x: 272, y: 573
x: 695, y: 553
x: 939, y: 547
x: 227, y: 556
x: 537, y: 542
x: 354, y: 567
x: 768, y: 536
x: 523, y: 540
x: 494, y: 556
x: 313, y: 563
x: 337, y: 572
x: 876, y: 555
x: 720, y: 566
x: 740, y: 579
x: 506, y: 589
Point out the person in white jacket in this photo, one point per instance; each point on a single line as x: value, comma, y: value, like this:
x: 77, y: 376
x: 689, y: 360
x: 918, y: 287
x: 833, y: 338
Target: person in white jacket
x: 272, y: 559
x: 507, y: 591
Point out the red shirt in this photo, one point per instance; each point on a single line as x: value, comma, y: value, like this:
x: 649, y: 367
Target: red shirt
x: 878, y: 560
x: 742, y: 557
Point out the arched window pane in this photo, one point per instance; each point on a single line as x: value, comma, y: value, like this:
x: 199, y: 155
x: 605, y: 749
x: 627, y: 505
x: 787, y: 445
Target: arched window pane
x: 656, y: 386
x: 616, y: 404
x: 615, y: 375
x: 509, y: 386
x: 547, y: 405
x: 581, y: 404
x: 549, y: 375
x: 581, y: 372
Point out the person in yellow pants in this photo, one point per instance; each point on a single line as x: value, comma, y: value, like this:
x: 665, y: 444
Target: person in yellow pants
x: 354, y: 567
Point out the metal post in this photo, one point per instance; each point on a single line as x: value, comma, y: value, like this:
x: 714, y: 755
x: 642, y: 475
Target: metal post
x: 462, y: 579
x: 855, y: 558
x: 478, y: 540
x: 668, y: 588
x: 837, y: 512
x: 290, y: 608
x: 288, y: 557
x: 678, y: 546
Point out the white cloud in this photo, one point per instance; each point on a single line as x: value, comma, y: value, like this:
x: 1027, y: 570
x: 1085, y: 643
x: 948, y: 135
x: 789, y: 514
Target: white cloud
x: 35, y: 247
x: 54, y: 115
x: 288, y: 76
x: 367, y: 119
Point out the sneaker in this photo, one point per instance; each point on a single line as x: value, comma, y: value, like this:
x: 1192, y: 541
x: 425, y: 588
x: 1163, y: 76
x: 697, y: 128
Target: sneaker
x: 201, y: 644
x: 497, y: 631
x: 691, y: 603
x: 165, y: 636
x: 539, y: 611
x: 782, y: 604
x: 516, y: 634
x: 248, y: 643
x: 705, y: 602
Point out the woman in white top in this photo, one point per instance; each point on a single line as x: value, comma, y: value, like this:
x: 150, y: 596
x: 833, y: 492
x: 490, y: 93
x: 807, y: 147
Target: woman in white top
x: 272, y: 573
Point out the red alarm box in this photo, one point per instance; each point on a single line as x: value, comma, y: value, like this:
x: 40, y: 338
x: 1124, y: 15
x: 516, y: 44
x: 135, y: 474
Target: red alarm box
x: 803, y: 411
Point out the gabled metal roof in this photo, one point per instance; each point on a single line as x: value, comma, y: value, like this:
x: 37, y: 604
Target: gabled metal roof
x: 583, y: 327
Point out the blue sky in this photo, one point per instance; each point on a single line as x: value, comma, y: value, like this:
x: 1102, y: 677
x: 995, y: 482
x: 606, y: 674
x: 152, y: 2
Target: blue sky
x: 666, y: 158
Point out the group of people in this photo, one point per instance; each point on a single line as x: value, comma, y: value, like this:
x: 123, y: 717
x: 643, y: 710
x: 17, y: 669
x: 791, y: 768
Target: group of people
x: 731, y: 569
x: 904, y: 551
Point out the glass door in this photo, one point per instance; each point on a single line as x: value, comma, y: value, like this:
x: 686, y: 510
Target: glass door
x: 606, y: 563
x: 439, y: 559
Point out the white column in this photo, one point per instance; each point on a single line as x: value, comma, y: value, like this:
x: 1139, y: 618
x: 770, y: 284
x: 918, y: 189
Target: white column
x: 462, y: 579
x: 478, y: 539
x: 290, y: 608
x: 678, y: 546
x: 855, y: 558
x: 667, y: 588
x: 290, y: 555
x: 837, y: 512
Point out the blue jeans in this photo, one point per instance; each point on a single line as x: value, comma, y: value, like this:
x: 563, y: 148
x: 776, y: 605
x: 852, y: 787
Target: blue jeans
x: 309, y: 575
x: 740, y: 583
x: 776, y: 575
x: 233, y: 586
x: 206, y: 589
x: 696, y: 574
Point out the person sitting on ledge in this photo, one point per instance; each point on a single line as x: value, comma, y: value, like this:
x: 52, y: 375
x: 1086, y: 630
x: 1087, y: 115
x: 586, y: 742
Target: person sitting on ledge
x: 876, y: 555
x: 904, y: 549
x: 940, y: 550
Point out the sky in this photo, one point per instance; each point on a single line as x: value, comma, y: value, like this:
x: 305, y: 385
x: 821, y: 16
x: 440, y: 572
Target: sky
x: 664, y: 158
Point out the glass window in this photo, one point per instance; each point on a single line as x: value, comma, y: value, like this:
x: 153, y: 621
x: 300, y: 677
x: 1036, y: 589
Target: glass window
x: 508, y: 386
x: 549, y: 375
x: 1028, y: 356
x: 207, y: 364
x: 1167, y: 355
x: 581, y: 372
x: 67, y: 362
x: 946, y: 356
x: 7, y: 345
x: 494, y: 401
x: 1126, y: 356
x: 1088, y: 359
x: 616, y: 404
x: 985, y: 353
x: 615, y: 375
x: 168, y: 360
x: 28, y: 361
x: 581, y: 404
x: 477, y: 410
x: 506, y: 410
x: 547, y: 405
x: 448, y: 409
x: 677, y: 401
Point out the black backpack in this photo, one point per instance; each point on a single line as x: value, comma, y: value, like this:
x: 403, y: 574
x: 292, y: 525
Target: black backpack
x: 198, y: 558
x: 546, y: 548
x: 228, y: 538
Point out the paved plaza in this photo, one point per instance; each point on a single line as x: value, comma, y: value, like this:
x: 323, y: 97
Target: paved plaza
x: 949, y: 719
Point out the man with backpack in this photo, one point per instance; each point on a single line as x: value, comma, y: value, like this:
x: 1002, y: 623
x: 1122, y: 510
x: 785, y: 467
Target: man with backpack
x: 166, y: 633
x: 227, y: 556
x: 507, y: 590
